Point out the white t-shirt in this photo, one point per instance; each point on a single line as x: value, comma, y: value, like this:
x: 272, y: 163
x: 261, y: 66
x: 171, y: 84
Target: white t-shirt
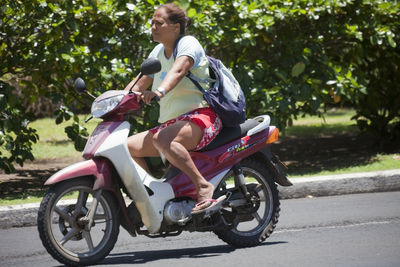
x: 185, y: 96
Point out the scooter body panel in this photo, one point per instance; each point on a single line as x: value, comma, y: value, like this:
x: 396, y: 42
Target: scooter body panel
x: 102, y: 131
x: 214, y: 164
x: 135, y: 178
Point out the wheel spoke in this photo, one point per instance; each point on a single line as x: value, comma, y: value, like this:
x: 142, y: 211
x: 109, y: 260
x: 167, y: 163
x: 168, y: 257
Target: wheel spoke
x: 88, y: 238
x: 259, y: 188
x: 256, y: 216
x: 69, y: 235
x: 82, y: 198
x: 64, y: 215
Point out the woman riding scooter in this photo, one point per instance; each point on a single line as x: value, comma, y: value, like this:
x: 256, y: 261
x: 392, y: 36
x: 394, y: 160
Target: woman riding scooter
x: 187, y: 122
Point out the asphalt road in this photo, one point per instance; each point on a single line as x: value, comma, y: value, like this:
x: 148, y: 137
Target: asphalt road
x: 349, y: 230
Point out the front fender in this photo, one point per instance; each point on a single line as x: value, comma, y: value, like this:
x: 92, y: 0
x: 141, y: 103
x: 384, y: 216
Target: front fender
x: 99, y: 168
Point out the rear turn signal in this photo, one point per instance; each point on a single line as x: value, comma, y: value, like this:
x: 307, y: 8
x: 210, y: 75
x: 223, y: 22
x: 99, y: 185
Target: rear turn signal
x: 273, y: 137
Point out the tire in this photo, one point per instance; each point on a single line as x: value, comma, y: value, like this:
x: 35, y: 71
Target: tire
x: 58, y: 219
x: 253, y: 223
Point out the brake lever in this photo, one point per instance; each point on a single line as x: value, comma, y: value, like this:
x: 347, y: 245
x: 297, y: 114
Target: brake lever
x: 87, y: 120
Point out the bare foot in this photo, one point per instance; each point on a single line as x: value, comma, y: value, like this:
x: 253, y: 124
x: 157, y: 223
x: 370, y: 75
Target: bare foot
x: 205, y: 192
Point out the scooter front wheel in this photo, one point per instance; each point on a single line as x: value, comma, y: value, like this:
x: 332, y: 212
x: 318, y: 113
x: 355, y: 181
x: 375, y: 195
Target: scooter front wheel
x: 64, y: 226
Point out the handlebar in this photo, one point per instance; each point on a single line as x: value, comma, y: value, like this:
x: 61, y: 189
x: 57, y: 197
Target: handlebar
x: 155, y: 99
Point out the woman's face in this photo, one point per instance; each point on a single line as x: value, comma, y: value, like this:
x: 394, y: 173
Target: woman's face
x: 162, y: 29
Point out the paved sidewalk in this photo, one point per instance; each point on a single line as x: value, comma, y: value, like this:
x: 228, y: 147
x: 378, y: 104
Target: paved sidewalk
x: 381, y: 181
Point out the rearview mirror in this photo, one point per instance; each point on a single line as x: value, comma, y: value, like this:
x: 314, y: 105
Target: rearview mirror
x: 81, y: 88
x: 150, y: 66
x: 80, y: 85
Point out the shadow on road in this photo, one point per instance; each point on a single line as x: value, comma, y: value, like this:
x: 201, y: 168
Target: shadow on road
x: 140, y: 257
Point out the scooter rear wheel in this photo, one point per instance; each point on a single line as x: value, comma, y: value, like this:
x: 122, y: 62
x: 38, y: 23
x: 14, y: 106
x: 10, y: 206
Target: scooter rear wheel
x: 63, y: 228
x: 255, y: 221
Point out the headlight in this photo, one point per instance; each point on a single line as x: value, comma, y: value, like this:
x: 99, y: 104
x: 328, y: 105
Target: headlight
x: 99, y: 108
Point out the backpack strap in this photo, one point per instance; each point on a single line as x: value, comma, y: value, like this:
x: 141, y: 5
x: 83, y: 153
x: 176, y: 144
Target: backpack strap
x: 175, y: 51
x: 196, y: 81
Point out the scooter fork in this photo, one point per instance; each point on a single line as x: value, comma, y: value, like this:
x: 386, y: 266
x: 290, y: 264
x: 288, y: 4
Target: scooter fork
x: 89, y: 217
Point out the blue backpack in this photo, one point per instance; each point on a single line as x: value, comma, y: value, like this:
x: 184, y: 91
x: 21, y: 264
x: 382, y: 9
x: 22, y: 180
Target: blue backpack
x: 225, y: 96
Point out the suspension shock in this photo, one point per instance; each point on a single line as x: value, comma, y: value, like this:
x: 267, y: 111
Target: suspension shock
x: 239, y: 180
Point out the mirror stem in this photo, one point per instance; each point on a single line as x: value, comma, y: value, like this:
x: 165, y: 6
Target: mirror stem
x: 140, y: 76
x: 87, y: 92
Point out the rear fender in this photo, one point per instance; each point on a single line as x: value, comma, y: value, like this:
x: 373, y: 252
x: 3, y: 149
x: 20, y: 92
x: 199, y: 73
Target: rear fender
x: 99, y: 168
x: 274, y: 165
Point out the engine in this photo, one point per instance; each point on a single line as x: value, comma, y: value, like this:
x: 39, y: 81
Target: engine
x: 178, y: 211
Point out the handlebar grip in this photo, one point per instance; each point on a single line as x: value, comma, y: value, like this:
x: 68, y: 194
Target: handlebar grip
x: 155, y: 99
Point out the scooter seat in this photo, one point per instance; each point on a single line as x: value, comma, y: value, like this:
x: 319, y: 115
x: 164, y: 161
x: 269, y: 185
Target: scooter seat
x: 229, y: 134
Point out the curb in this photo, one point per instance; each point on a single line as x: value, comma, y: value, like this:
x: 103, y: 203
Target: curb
x: 330, y: 185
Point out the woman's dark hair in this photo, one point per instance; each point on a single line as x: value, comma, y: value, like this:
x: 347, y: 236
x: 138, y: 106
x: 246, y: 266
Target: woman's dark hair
x: 177, y: 15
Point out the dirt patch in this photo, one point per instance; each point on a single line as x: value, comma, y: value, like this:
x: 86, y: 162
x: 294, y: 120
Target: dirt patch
x: 328, y: 153
x: 29, y: 179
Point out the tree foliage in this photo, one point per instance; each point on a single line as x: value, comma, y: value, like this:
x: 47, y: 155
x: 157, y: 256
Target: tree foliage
x: 291, y: 57
x: 16, y: 137
x: 294, y: 57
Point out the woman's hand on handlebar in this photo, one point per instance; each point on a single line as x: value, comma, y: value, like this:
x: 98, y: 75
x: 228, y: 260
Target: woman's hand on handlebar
x: 148, y: 96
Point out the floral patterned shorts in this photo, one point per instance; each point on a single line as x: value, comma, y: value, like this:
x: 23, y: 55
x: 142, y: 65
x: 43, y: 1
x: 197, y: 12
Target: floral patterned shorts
x: 206, y: 118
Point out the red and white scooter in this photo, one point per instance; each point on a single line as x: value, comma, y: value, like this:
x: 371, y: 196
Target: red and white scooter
x: 80, y: 215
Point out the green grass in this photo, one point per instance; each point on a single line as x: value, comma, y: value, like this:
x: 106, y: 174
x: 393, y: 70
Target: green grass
x: 53, y: 141
x: 334, y: 122
x: 18, y: 199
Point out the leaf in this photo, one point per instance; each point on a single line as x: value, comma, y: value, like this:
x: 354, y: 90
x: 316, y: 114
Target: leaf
x: 281, y: 75
x: 391, y: 41
x: 298, y: 69
x: 191, y: 13
x: 331, y: 82
x: 130, y: 6
x: 315, y: 103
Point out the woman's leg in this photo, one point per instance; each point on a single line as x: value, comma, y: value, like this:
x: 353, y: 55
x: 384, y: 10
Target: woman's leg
x: 141, y: 145
x: 174, y: 142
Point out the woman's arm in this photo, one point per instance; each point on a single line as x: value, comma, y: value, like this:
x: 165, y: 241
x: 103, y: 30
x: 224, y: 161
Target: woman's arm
x: 141, y: 85
x: 181, y: 66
